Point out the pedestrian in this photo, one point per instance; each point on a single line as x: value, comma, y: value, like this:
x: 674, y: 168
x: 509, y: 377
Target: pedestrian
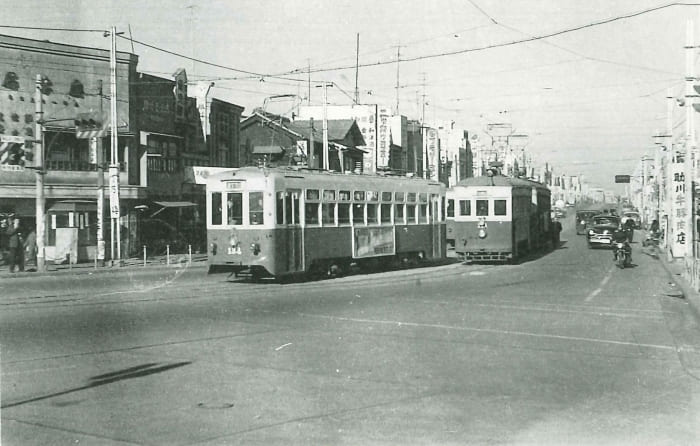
x: 628, y: 226
x: 30, y: 249
x: 556, y: 233
x: 16, y: 246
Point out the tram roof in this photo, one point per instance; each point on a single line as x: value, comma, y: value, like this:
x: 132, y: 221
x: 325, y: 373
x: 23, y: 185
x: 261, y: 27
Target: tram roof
x: 316, y: 173
x: 499, y: 180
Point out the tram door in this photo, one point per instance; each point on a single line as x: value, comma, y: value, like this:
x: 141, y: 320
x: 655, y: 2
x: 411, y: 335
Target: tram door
x: 295, y: 237
x: 436, y: 227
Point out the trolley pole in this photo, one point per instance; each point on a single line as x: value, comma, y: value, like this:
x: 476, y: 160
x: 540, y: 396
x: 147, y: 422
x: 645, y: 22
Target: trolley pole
x: 39, y: 172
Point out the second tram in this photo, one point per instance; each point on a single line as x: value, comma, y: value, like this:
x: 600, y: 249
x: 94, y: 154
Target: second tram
x: 497, y: 218
x: 283, y: 221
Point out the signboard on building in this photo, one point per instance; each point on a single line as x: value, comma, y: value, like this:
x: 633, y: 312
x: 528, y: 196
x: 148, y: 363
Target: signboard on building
x: 12, y: 156
x: 677, y: 219
x: 180, y: 92
x: 622, y: 178
x: 432, y: 153
x: 383, y: 137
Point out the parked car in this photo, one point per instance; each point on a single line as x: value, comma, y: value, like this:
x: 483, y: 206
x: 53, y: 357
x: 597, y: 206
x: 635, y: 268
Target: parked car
x: 583, y: 219
x: 601, y: 229
x: 635, y: 217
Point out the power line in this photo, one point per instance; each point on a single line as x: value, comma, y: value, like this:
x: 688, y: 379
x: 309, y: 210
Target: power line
x: 510, y: 43
x: 41, y: 28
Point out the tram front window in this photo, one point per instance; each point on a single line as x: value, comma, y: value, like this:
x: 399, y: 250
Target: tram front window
x: 499, y: 207
x: 482, y: 208
x: 216, y: 214
x: 234, y: 205
x: 255, y: 208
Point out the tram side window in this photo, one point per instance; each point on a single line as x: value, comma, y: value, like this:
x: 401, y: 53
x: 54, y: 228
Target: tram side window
x: 450, y: 208
x: 292, y: 207
x: 399, y: 216
x: 386, y: 212
x: 344, y: 213
x: 422, y: 213
x: 465, y: 207
x: 312, y: 206
x: 280, y: 208
x: 216, y: 209
x: 410, y: 213
x: 499, y: 207
x: 482, y: 208
x: 372, y: 214
x: 358, y: 213
x: 328, y: 208
x: 255, y: 208
x: 234, y: 206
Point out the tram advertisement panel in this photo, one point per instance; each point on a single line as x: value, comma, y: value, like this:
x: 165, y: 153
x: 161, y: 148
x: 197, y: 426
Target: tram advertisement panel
x: 373, y: 241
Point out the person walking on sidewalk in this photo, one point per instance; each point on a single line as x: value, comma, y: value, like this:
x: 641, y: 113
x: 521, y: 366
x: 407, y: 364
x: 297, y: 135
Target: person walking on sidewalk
x: 16, y: 246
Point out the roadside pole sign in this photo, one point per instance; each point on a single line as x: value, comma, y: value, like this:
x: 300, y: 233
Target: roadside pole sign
x: 114, y: 191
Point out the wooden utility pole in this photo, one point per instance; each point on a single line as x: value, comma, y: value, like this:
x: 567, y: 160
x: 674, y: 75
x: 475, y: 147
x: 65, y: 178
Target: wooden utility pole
x: 99, y: 160
x: 114, y: 164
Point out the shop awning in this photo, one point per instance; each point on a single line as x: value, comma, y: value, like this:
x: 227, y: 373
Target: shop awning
x: 268, y: 150
x: 73, y: 206
x: 172, y: 205
x: 175, y: 204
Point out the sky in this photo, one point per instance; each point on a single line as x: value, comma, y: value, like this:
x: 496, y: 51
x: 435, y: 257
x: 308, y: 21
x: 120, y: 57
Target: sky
x: 589, y: 95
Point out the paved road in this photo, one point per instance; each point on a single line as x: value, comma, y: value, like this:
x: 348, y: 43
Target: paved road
x: 561, y: 349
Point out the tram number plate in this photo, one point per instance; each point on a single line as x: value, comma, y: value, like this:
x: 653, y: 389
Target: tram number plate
x: 234, y: 250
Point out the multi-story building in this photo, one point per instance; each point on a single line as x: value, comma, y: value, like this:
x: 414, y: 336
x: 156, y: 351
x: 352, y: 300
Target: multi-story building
x: 162, y: 133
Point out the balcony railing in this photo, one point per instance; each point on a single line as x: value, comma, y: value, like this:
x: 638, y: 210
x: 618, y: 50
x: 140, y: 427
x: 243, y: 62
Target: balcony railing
x: 80, y: 166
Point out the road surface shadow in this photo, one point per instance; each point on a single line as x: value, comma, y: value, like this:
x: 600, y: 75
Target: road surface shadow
x: 108, y: 378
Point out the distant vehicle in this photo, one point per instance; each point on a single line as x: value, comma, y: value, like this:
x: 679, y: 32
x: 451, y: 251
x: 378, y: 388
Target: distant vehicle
x: 559, y: 213
x: 601, y: 230
x: 583, y: 219
x: 494, y: 219
x: 635, y: 217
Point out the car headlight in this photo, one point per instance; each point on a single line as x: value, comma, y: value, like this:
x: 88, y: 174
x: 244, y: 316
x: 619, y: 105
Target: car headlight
x: 591, y: 232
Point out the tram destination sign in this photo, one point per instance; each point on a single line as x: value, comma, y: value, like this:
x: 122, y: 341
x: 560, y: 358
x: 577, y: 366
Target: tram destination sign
x: 622, y: 178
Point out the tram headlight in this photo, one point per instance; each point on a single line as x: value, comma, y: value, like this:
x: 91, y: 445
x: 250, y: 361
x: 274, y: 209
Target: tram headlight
x: 212, y: 248
x: 255, y: 248
x: 482, y: 232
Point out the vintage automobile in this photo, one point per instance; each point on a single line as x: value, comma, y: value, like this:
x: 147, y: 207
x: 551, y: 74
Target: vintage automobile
x: 601, y: 229
x: 634, y: 216
x: 583, y: 219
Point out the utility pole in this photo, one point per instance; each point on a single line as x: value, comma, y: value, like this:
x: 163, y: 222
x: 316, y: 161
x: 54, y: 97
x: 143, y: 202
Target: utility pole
x: 39, y: 172
x: 670, y: 160
x: 99, y: 159
x: 308, y: 80
x: 689, y: 149
x: 114, y: 164
x: 312, y: 155
x: 357, y: 70
x: 398, y: 64
x: 326, y: 164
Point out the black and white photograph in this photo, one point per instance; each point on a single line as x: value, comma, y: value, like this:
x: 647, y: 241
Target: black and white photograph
x: 352, y: 223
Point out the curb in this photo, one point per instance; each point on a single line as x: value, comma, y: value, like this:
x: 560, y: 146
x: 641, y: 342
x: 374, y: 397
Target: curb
x: 90, y: 269
x: 680, y: 288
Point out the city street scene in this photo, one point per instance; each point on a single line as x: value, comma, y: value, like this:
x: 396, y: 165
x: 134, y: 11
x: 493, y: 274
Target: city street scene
x: 350, y: 223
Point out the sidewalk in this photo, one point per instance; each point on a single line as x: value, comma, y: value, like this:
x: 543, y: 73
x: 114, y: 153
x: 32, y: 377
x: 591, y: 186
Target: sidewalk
x: 176, y: 261
x: 678, y: 284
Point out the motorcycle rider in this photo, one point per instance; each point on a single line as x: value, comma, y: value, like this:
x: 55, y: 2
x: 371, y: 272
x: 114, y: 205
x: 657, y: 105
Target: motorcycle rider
x: 621, y: 235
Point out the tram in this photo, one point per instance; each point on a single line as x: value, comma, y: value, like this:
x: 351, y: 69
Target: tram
x: 284, y: 221
x: 496, y: 218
